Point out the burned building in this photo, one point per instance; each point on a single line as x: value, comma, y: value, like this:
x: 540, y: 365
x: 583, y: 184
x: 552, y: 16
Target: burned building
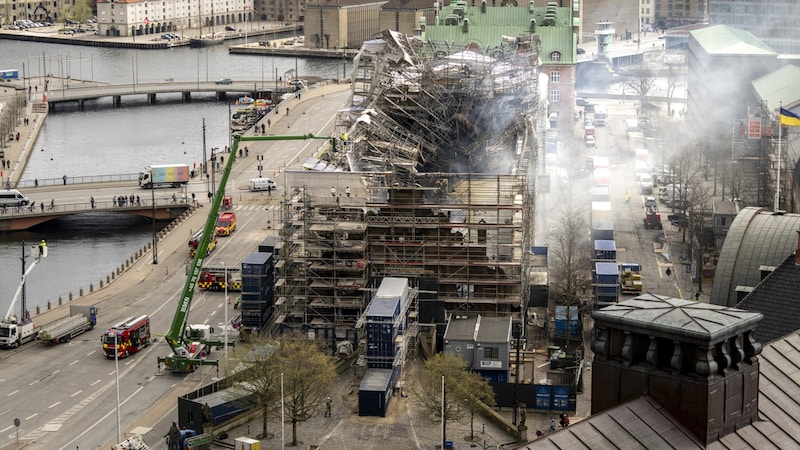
x: 431, y: 179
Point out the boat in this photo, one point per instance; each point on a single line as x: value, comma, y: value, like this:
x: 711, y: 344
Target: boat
x: 207, y: 40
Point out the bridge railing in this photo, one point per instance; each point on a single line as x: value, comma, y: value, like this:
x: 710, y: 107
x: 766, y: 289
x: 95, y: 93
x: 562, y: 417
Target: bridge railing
x: 76, y: 180
x: 36, y: 208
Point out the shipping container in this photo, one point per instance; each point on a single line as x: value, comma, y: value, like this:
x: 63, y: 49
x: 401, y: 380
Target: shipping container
x: 605, y: 250
x: 268, y: 245
x: 599, y: 194
x: 376, y: 390
x: 245, y: 443
x: 223, y: 405
x: 567, y: 323
x: 256, y: 263
x: 603, y: 231
x: 601, y: 212
x: 392, y: 287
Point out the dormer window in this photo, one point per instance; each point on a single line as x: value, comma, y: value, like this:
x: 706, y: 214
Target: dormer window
x: 555, y: 56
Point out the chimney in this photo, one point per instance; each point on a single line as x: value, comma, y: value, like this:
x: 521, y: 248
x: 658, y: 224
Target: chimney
x: 696, y: 360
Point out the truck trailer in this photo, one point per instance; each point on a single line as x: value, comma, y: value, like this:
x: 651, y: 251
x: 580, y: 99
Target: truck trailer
x: 80, y: 320
x: 165, y: 175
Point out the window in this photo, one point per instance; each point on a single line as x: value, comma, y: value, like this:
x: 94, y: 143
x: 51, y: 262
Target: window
x: 555, y: 56
x: 555, y: 96
x: 491, y: 353
x: 555, y: 76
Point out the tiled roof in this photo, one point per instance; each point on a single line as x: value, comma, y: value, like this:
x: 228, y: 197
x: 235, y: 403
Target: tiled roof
x: 643, y: 423
x: 756, y: 237
x: 777, y: 297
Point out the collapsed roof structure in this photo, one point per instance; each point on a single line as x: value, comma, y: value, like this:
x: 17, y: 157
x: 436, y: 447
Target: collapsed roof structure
x: 432, y: 179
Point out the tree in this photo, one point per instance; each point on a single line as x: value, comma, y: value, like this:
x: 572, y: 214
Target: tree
x: 81, y: 12
x: 262, y: 382
x: 642, y: 82
x: 464, y: 390
x: 307, y: 376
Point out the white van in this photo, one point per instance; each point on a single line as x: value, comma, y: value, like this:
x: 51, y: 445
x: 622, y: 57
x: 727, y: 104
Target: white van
x: 12, y: 197
x: 262, y: 184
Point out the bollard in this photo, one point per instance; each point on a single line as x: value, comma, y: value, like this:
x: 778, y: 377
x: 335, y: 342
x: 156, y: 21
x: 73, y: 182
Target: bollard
x: 91, y: 287
x: 113, y: 276
x: 49, y: 306
x: 127, y: 264
x: 101, y: 284
x: 38, y: 310
x: 80, y: 293
x: 59, y: 301
x: 70, y: 296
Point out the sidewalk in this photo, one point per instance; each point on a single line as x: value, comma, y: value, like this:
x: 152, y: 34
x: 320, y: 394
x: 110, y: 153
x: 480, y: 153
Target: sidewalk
x: 18, y: 151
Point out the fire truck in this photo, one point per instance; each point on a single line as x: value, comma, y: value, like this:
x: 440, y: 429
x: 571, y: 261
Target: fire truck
x: 213, y: 278
x: 226, y: 224
x: 127, y: 337
x: 194, y: 242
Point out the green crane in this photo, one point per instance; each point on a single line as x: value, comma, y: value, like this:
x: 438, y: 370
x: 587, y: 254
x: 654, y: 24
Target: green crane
x: 191, y: 344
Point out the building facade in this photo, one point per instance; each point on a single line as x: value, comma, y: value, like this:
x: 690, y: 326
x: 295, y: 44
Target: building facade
x: 674, y: 13
x: 776, y: 22
x: 140, y: 17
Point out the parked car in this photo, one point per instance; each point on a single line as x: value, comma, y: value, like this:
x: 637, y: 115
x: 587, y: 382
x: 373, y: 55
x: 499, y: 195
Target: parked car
x: 224, y: 81
x: 230, y: 28
x: 581, y: 101
x: 590, y: 141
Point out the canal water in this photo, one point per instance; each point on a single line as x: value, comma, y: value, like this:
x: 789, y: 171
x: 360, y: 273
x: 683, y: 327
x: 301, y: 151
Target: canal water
x: 102, y: 140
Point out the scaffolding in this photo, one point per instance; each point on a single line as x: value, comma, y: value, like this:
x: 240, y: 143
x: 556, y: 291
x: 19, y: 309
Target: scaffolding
x: 433, y: 177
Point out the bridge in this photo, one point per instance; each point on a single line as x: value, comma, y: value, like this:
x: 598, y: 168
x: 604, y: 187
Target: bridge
x: 24, y: 217
x: 83, y: 92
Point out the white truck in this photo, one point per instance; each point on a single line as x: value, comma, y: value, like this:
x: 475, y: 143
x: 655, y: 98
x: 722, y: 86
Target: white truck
x: 164, y: 175
x: 80, y: 320
x: 13, y: 331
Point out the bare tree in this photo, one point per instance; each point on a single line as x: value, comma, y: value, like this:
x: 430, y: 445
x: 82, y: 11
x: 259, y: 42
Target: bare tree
x: 569, y: 251
x: 674, y: 81
x: 464, y: 390
x: 642, y: 83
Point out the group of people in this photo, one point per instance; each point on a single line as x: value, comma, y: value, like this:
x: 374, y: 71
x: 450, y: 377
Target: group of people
x: 122, y: 200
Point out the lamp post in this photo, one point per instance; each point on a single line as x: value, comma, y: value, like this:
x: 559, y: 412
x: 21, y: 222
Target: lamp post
x: 116, y: 376
x: 213, y: 170
x: 225, y: 305
x: 260, y: 158
x: 155, y: 240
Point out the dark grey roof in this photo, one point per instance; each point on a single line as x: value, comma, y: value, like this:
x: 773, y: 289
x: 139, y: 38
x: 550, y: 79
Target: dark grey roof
x: 642, y: 423
x: 777, y: 297
x: 638, y: 424
x: 461, y: 328
x: 669, y: 317
x: 494, y: 329
x: 756, y: 237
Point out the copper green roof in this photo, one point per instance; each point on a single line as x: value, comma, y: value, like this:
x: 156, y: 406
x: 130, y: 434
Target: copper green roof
x: 779, y: 86
x: 486, y: 29
x: 725, y: 40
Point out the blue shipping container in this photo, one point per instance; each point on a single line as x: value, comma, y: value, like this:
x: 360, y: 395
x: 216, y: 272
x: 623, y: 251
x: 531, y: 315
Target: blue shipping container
x: 375, y: 391
x: 605, y: 250
x: 543, y: 397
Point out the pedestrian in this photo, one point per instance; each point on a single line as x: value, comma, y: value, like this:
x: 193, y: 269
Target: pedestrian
x: 132, y: 198
x: 240, y: 153
x: 113, y: 200
x: 328, y: 407
x: 561, y: 420
x: 173, y: 436
x: 287, y: 111
x: 552, y: 424
x: 138, y: 200
x: 193, y: 197
x: 347, y: 191
x: 42, y: 248
x: 269, y: 124
x: 263, y: 128
x: 91, y: 200
x: 566, y: 420
x: 333, y: 191
x: 42, y: 205
x: 174, y: 198
x: 52, y: 204
x: 35, y: 182
x: 65, y: 180
x: 668, y: 272
x: 209, y: 196
x: 221, y: 161
x: 246, y: 152
x: 17, y: 135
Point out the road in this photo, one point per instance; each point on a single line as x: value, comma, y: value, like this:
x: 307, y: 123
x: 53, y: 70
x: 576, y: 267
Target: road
x: 65, y: 395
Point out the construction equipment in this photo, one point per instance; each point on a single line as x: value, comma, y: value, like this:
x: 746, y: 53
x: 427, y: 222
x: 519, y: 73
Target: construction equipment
x: 191, y: 344
x: 13, y: 330
x: 630, y: 276
x: 652, y: 219
x: 80, y: 320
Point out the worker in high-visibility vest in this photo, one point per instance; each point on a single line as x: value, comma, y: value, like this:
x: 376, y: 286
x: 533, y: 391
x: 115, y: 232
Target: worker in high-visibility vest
x: 42, y: 248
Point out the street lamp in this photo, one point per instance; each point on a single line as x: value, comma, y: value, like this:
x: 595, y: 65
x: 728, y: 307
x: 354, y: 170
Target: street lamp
x: 213, y: 169
x: 155, y: 240
x: 225, y: 305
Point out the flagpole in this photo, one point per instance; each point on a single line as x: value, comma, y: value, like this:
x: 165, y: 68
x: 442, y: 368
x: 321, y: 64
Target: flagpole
x: 780, y: 144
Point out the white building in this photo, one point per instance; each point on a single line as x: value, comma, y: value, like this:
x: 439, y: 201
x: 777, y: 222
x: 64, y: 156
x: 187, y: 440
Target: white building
x: 190, y: 19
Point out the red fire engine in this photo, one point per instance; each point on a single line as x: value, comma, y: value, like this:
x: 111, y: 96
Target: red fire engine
x: 130, y: 336
x: 195, y: 241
